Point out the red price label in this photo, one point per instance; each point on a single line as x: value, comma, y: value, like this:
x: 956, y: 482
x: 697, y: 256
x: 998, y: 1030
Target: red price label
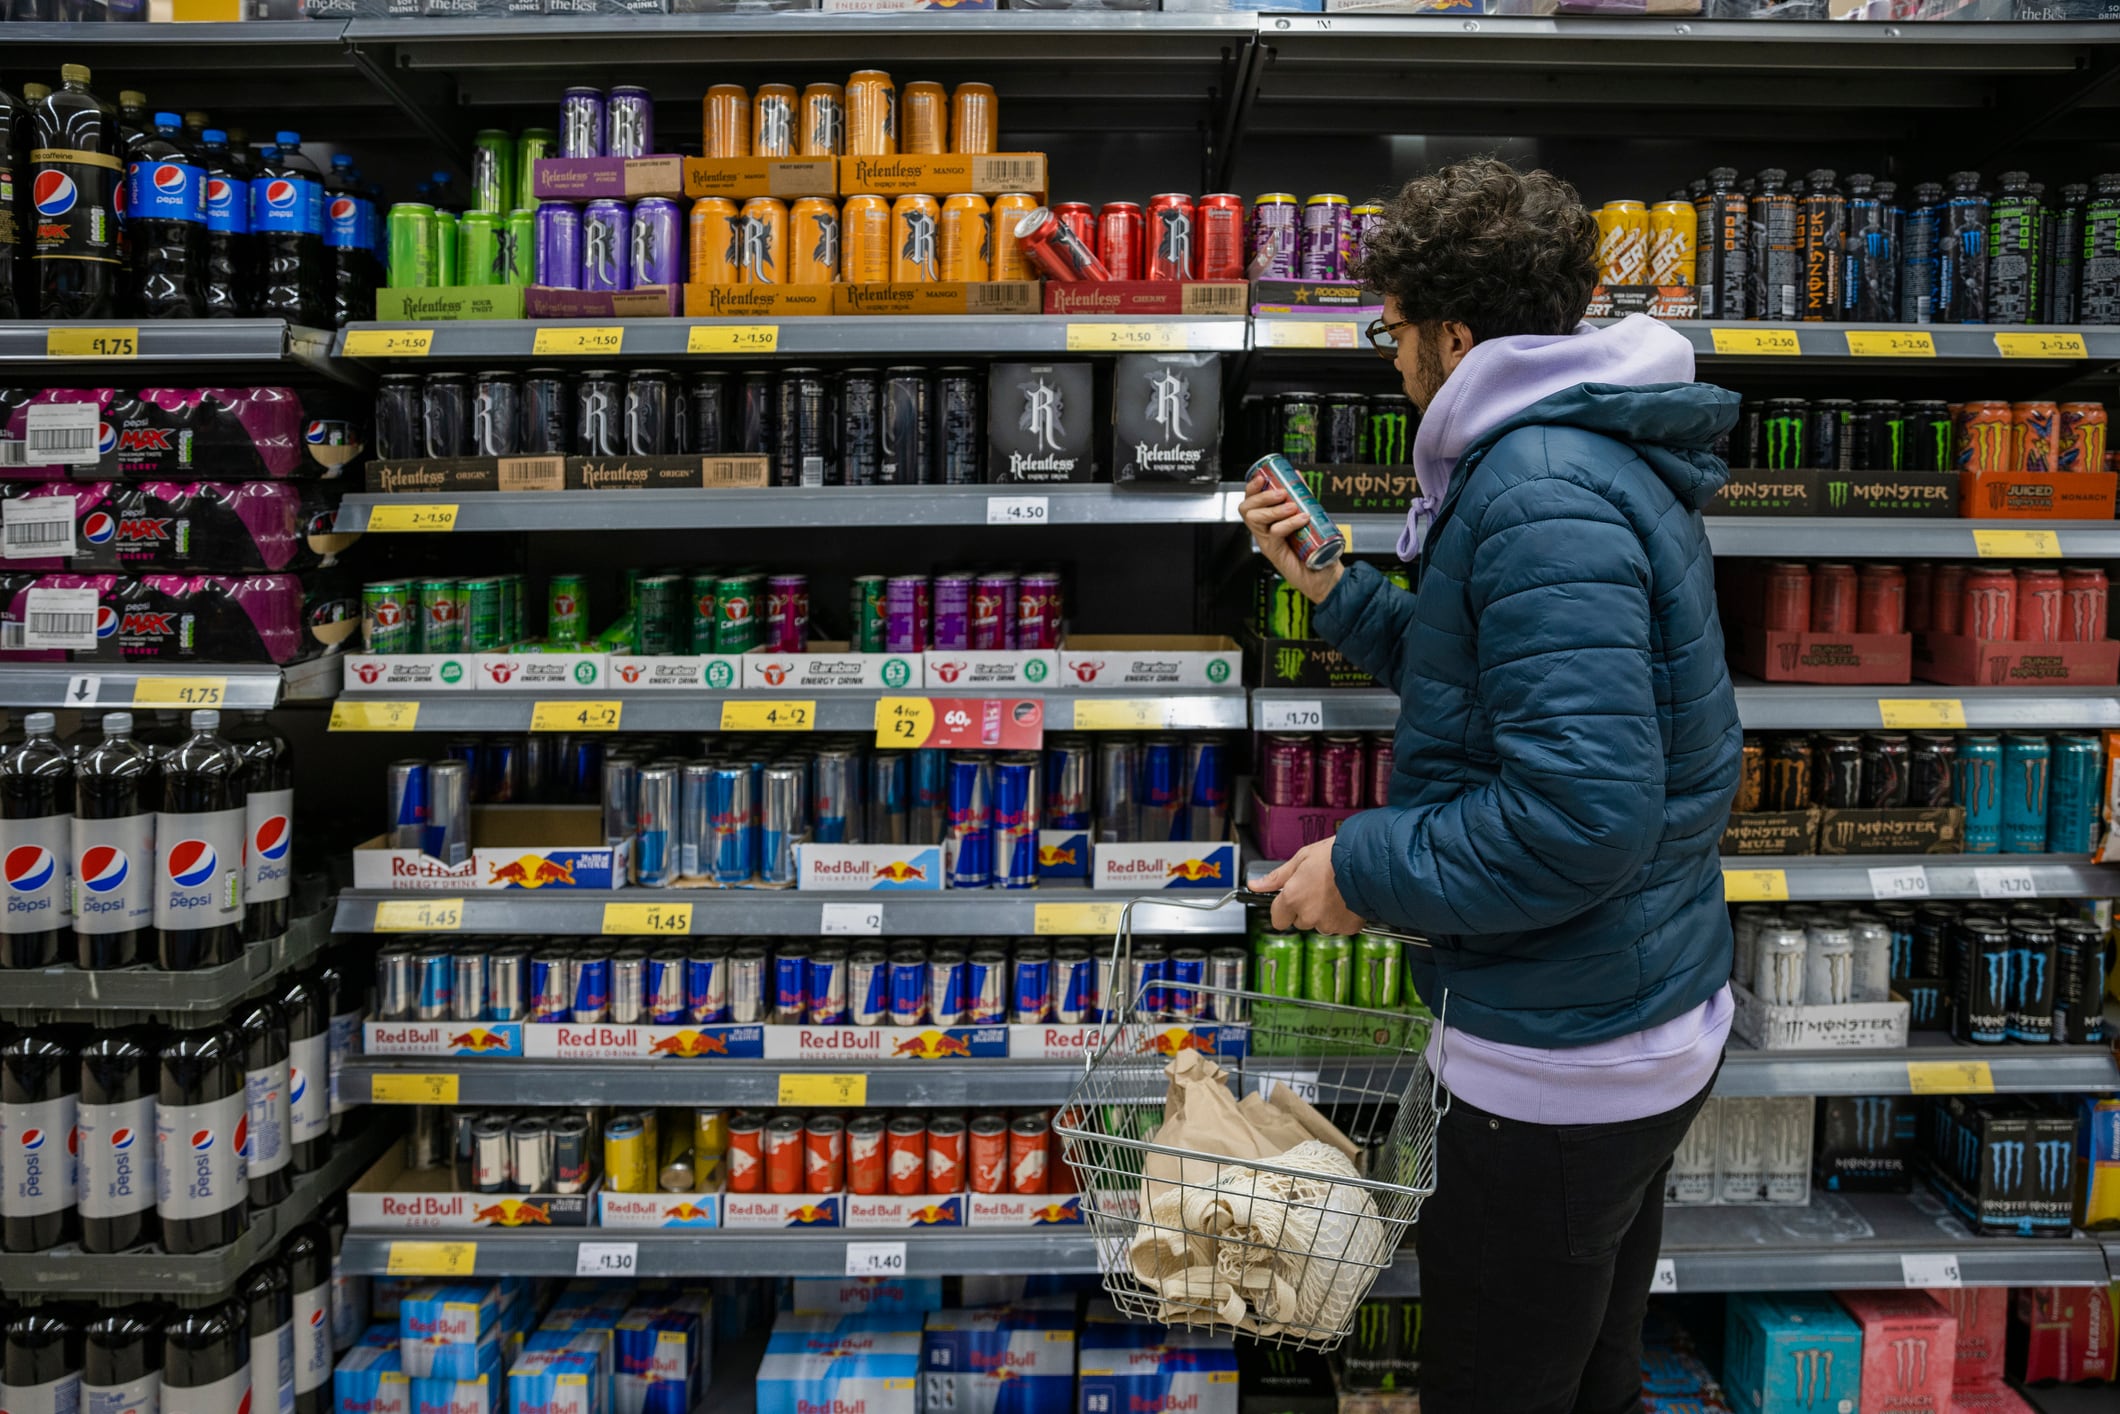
x: 975, y: 723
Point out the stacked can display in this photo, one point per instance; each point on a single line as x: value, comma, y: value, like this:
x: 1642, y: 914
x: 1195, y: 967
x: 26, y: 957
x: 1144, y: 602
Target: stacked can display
x: 2027, y: 603
x: 1178, y: 238
x: 490, y: 236
x: 1931, y: 434
x: 1323, y: 237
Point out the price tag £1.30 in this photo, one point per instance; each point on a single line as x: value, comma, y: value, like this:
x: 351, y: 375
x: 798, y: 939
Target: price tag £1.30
x: 606, y: 1259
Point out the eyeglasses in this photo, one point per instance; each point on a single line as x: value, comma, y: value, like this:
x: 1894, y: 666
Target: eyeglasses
x: 1379, y: 336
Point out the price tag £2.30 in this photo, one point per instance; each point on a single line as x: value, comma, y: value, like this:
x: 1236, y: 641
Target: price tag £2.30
x: 875, y: 1259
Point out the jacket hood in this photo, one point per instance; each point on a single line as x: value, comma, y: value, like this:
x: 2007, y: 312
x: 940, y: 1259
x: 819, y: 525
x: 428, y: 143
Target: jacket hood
x: 1631, y: 381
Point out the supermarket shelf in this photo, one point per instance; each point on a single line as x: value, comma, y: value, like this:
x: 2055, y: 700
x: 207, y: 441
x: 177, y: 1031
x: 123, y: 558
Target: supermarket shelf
x: 73, y: 1275
x: 837, y: 711
x: 1824, y: 878
x: 786, y: 912
x: 664, y: 1253
x: 1766, y: 707
x: 59, y: 993
x: 85, y: 686
x: 184, y: 342
x: 779, y: 508
x: 1823, y: 537
x: 2015, y: 1069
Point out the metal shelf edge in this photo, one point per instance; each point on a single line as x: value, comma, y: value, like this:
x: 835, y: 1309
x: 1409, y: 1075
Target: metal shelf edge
x: 153, y: 992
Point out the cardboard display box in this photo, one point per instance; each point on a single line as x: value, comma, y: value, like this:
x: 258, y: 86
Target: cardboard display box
x: 1302, y: 662
x: 512, y: 847
x: 1768, y: 832
x: 1137, y: 297
x: 2005, y: 662
x: 1167, y: 420
x: 646, y: 302
x: 1656, y: 301
x: 2018, y: 495
x: 1281, y: 830
x: 760, y: 301
x: 1855, y: 1026
x: 1859, y: 658
x: 448, y: 303
x: 1939, y: 830
x: 1150, y: 660
x: 740, y: 178
x: 671, y: 473
x: 1923, y: 495
x: 390, y: 1195
x: 1014, y: 297
x: 1865, y: 1144
x: 626, y: 178
x: 988, y: 174
x: 1040, y: 423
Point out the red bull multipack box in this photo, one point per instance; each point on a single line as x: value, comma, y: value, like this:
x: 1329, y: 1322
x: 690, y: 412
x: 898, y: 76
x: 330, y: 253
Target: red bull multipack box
x: 371, y: 1379
x: 662, y: 1360
x: 1015, y: 1359
x: 870, y: 1296
x: 841, y: 1364
x: 554, y: 1378
x: 483, y: 1393
x: 1126, y: 1366
x: 1790, y: 1353
x: 449, y: 1330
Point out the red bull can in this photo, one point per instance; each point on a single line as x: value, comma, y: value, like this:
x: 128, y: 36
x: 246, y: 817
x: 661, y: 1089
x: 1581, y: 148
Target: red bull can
x: 790, y: 987
x: 1068, y: 764
x: 656, y: 839
x: 1183, y: 975
x: 434, y: 976
x: 835, y: 797
x: 408, y: 804
x: 869, y: 987
x: 665, y: 999
x: 467, y: 986
x: 908, y: 985
x: 1074, y: 985
x: 1319, y: 542
x: 589, y: 988
x: 1014, y: 833
x: 1159, y: 791
x: 1144, y: 987
x: 747, y: 985
x: 985, y: 974
x: 551, y: 987
x: 1207, y: 789
x: 1226, y: 968
x: 629, y: 987
x: 782, y: 805
x: 887, y: 810
x: 707, y: 987
x: 1030, y: 985
x: 508, y: 983
x: 395, y: 984
x: 947, y: 1002
x: 925, y: 793
x: 825, y: 989
x: 967, y: 839
x: 731, y: 846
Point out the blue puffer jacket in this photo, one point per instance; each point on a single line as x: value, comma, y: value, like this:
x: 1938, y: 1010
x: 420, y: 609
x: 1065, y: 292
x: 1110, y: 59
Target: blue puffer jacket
x: 1568, y: 744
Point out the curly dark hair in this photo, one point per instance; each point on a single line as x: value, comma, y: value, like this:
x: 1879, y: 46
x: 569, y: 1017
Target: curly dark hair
x: 1501, y: 251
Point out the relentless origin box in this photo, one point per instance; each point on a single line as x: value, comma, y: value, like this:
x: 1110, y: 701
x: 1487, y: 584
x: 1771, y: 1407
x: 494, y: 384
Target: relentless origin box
x: 1039, y: 423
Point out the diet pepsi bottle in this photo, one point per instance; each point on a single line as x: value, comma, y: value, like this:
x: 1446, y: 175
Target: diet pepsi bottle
x: 268, y: 816
x: 40, y: 1362
x: 308, y: 1073
x: 308, y: 1258
x: 113, y: 849
x: 287, y: 217
x: 116, y: 1123
x: 346, y: 1005
x: 76, y: 164
x: 201, y: 1123
x: 349, y: 243
x: 349, y: 1291
x: 121, y: 1362
x: 165, y: 224
x: 206, y: 1360
x: 36, y: 845
x: 265, y: 1065
x: 231, y: 263
x: 14, y: 256
x: 37, y: 1144
x: 199, y: 830
x: 269, y: 1295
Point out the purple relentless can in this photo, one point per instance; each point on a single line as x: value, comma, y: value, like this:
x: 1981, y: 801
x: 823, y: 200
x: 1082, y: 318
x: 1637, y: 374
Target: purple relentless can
x: 1014, y: 815
x: 607, y: 242
x: 1037, y: 611
x: 558, y: 262
x: 967, y: 843
x: 658, y: 242
x: 581, y: 123
x: 1288, y: 772
x: 908, y: 984
x: 787, y: 614
x: 994, y: 613
x: 905, y: 614
x: 1340, y: 772
x: 631, y: 130
x: 953, y: 614
x: 1382, y: 761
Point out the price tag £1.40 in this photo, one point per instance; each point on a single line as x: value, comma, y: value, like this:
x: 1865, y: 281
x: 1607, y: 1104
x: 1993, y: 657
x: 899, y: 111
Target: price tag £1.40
x: 875, y: 1259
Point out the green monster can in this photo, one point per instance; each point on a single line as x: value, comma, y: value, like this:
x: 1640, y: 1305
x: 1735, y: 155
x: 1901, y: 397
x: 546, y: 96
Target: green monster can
x: 387, y: 616
x: 446, y: 272
x: 478, y: 248
x: 487, y: 615
x: 567, y: 608
x: 655, y: 614
x: 737, y: 612
x: 518, y: 248
x: 1277, y: 965
x: 1400, y: 576
x: 1376, y: 972
x: 865, y: 613
x: 1283, y: 611
x: 442, y: 616
x: 530, y: 144
x: 699, y: 625
x: 492, y: 170
x: 411, y: 239
x: 1328, y: 968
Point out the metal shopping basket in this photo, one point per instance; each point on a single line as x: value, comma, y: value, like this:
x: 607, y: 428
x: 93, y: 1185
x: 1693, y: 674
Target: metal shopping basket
x: 1282, y: 1249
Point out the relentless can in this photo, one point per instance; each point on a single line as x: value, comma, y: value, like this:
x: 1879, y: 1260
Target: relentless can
x: 975, y: 118
x: 872, y: 114
x: 607, y: 246
x: 410, y: 235
x: 1172, y: 252
x: 824, y: 120
x: 773, y: 123
x: 916, y: 240
x: 813, y: 242
x: 581, y: 123
x: 728, y: 120
x: 762, y: 242
x: 1008, y: 261
x: 1055, y: 249
x: 715, y: 235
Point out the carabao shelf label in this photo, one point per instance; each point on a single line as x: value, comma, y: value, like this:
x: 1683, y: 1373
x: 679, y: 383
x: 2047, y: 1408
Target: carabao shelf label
x: 443, y: 1038
x: 886, y: 1043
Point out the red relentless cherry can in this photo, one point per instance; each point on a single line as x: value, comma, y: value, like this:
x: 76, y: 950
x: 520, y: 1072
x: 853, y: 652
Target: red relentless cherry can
x: 1079, y: 217
x: 1054, y: 250
x: 1119, y: 239
x: 1218, y: 230
x: 1173, y: 252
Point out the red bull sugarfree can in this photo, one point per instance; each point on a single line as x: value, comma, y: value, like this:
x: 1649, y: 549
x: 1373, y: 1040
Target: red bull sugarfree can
x: 1014, y: 833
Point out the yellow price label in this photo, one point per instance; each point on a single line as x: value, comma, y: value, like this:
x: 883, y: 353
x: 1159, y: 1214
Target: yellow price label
x: 79, y: 342
x: 904, y: 721
x: 802, y: 1089
x: 659, y: 919
x: 374, y: 716
x: 1075, y: 917
x: 412, y: 1090
x: 763, y: 716
x: 389, y: 343
x: 1120, y: 714
x: 1756, y: 885
x: 1307, y: 334
x: 596, y: 339
x: 575, y: 716
x: 1921, y: 712
x: 418, y: 915
x: 1779, y: 342
x: 1088, y: 338
x: 1950, y: 1077
x: 2028, y: 345
x: 179, y: 692
x: 1889, y: 343
x: 428, y: 517
x: 2016, y: 544
x: 431, y: 1259
x: 732, y: 338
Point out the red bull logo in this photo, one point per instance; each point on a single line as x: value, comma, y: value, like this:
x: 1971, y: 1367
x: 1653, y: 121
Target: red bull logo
x: 1050, y: 855
x: 1052, y: 1213
x: 1176, y: 1039
x: 899, y: 871
x: 932, y: 1045
x: 1194, y: 870
x: 513, y: 1212
x: 478, y: 1039
x: 691, y: 1043
x: 533, y: 871
x: 824, y: 1214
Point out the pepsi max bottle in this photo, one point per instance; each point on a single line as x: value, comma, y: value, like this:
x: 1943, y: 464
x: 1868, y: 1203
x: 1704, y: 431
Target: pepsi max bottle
x: 40, y: 1362
x: 37, y: 1143
x: 287, y: 219
x: 304, y: 1002
x: 121, y: 1362
x: 206, y: 1360
x: 116, y: 1122
x: 268, y: 814
x: 76, y: 165
x: 201, y: 1123
x: 308, y: 1258
x: 231, y: 263
x: 114, y: 849
x: 132, y: 118
x: 265, y: 1072
x: 199, y: 834
x: 165, y: 224
x: 36, y: 845
x: 269, y: 1295
x: 349, y: 242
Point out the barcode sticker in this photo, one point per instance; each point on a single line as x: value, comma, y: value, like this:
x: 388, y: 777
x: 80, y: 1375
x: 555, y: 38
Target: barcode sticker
x: 13, y: 453
x: 37, y: 526
x: 62, y: 434
x: 60, y: 618
x: 1009, y: 172
x: 531, y: 474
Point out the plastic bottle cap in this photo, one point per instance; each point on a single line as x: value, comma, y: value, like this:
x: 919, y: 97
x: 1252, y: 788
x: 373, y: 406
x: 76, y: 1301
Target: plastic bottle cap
x: 342, y: 159
x: 213, y: 135
x: 74, y: 73
x: 287, y: 139
x: 39, y: 723
x: 206, y: 720
x: 117, y: 724
x: 168, y: 120
x: 132, y: 98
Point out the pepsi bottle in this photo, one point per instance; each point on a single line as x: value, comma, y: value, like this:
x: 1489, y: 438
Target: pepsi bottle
x: 265, y: 1074
x: 346, y: 1006
x: 121, y: 1362
x: 165, y: 224
x: 40, y: 1362
x: 37, y: 1144
x: 308, y: 1258
x: 308, y: 1073
x: 287, y: 217
x: 268, y: 1293
x: 268, y: 815
x: 206, y: 1360
x: 14, y: 257
x: 348, y: 245
x: 230, y: 261
x: 201, y: 1123
x: 113, y: 849
x: 349, y: 1291
x: 199, y: 832
x: 132, y: 118
x: 36, y: 845
x: 116, y: 1123
x: 76, y: 165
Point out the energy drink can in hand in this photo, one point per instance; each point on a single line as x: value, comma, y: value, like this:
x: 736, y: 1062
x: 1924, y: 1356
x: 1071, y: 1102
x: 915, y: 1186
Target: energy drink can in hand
x: 1319, y: 541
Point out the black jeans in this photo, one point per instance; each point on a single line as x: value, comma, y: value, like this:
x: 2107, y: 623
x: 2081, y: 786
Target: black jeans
x: 1536, y: 1254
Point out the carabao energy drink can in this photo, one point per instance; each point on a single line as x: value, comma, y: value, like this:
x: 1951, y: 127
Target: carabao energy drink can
x: 1319, y: 542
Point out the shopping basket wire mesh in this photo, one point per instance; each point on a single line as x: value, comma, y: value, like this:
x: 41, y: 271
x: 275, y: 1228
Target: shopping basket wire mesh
x: 1283, y: 1248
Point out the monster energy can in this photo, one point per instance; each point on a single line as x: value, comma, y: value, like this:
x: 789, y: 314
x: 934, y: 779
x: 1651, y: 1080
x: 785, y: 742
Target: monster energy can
x: 1277, y: 964
x: 1295, y: 419
x: 1879, y: 441
x: 1376, y: 972
x: 1328, y: 968
x: 1391, y: 423
x: 1283, y: 612
x: 1928, y: 436
x: 1784, y: 430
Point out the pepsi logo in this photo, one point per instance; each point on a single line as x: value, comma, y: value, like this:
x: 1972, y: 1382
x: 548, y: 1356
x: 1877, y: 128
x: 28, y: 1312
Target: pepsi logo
x: 30, y: 867
x: 297, y: 1085
x: 191, y: 863
x: 272, y: 838
x: 242, y: 1134
x: 33, y: 1139
x: 281, y: 194
x: 315, y: 433
x: 106, y: 439
x: 220, y: 193
x: 121, y: 1138
x: 99, y: 527
x: 119, y: 200
x: 54, y: 193
x: 342, y: 208
x: 316, y: 1317
x: 169, y: 177
x: 106, y: 621
x: 103, y: 868
x: 201, y: 1140
x: 244, y: 1406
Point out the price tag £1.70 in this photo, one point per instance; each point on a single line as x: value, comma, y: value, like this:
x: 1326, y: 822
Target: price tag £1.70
x: 2011, y: 881
x: 875, y: 1259
x: 1899, y: 883
x: 1281, y: 716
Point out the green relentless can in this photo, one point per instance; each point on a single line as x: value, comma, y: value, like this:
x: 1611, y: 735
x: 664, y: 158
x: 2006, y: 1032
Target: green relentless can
x: 737, y: 606
x: 492, y: 171
x: 699, y: 624
x: 567, y: 608
x: 656, y: 615
x: 409, y: 232
x: 530, y: 144
x: 386, y: 616
x: 1328, y: 968
x: 865, y: 614
x: 486, y: 614
x: 441, y: 617
x: 478, y: 249
x: 1376, y: 972
x: 445, y: 264
x: 1277, y: 965
x: 1283, y: 611
x: 518, y: 248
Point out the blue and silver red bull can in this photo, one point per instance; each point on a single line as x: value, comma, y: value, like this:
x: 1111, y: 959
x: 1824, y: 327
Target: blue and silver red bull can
x: 948, y: 999
x: 434, y: 983
x: 967, y: 842
x: 835, y: 797
x: 1030, y: 985
x: 1159, y: 789
x: 782, y: 792
x: 589, y: 990
x: 889, y: 782
x: 985, y: 986
x: 908, y: 1005
x: 1068, y: 764
x: 868, y: 987
x: 621, y: 793
x: 1145, y: 990
x: 557, y: 261
x: 666, y: 998
x: 506, y: 773
x: 925, y: 793
x: 408, y: 804
x: 707, y: 986
x: 1014, y: 832
x: 551, y: 986
x: 791, y: 984
x: 1184, y: 972
x: 655, y: 833
x: 581, y: 771
x: 1319, y: 542
x: 731, y: 849
x: 825, y: 986
x: 1075, y: 985
x: 1207, y: 777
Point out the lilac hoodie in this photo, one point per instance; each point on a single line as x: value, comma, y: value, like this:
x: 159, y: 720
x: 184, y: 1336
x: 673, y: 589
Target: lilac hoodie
x: 1649, y: 1072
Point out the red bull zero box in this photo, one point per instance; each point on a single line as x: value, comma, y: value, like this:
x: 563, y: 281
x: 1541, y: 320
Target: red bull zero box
x: 1016, y: 1359
x: 1126, y: 1366
x: 371, y: 1380
x: 823, y: 1364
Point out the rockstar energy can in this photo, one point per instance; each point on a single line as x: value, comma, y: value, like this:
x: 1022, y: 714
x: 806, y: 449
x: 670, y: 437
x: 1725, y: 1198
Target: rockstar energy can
x: 872, y: 114
x: 773, y: 121
x: 813, y: 242
x: 865, y: 240
x: 1623, y: 243
x: 1673, y: 225
x: 924, y: 115
x: 715, y: 234
x: 915, y: 232
x: 824, y: 120
x: 967, y: 238
x: 763, y: 250
x: 1008, y: 262
x: 728, y: 121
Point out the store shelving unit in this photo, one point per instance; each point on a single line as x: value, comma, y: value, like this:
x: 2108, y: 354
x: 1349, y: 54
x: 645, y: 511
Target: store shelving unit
x: 140, y: 993
x: 231, y: 687
x: 1828, y: 537
x: 174, y: 344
